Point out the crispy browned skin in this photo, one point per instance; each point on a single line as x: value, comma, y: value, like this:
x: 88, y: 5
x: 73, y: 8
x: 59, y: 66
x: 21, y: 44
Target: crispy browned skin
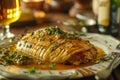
x: 52, y: 45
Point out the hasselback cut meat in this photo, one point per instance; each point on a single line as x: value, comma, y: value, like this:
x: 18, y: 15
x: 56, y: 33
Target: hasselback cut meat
x: 52, y: 45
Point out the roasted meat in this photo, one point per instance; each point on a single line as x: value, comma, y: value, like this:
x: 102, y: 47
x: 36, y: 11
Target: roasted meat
x: 52, y: 45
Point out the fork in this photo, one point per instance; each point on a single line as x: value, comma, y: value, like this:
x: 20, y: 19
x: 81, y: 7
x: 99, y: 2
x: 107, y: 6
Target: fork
x: 103, y: 74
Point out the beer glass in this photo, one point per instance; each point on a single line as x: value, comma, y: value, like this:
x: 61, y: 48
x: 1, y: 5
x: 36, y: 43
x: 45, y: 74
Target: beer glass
x: 9, y: 13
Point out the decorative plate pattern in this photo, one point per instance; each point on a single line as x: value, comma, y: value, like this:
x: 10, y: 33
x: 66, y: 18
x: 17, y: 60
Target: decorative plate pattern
x: 107, y: 43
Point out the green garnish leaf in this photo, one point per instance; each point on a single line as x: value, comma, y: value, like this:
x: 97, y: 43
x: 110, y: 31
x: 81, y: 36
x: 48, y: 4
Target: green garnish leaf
x: 54, y: 46
x: 12, y: 39
x: 42, y: 37
x: 58, y: 31
x: 106, y: 41
x: 39, y: 62
x: 31, y: 33
x: 32, y: 70
x: 7, y: 60
x: 52, y: 66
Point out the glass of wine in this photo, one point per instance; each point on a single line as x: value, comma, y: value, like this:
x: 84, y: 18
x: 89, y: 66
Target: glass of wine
x: 9, y: 13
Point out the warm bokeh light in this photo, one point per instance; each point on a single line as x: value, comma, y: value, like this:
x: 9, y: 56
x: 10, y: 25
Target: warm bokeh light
x: 32, y: 0
x: 12, y: 13
x: 39, y: 14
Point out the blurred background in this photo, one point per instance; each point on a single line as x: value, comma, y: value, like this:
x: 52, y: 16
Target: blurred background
x: 83, y: 15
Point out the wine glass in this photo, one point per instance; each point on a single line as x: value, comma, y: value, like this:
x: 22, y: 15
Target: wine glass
x: 9, y: 13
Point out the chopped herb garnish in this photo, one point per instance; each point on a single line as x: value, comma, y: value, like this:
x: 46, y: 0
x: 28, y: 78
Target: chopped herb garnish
x: 58, y: 31
x: 54, y: 30
x: 74, y: 32
x: 51, y: 30
x: 106, y: 57
x: 20, y: 44
x: 52, y: 66
x: 39, y: 62
x: 1, y: 63
x: 42, y: 37
x: 32, y: 70
x: 31, y: 33
x: 12, y: 39
x: 54, y: 46
x: 50, y: 72
x: 110, y: 45
x: 9, y: 56
x: 7, y: 60
x: 106, y: 41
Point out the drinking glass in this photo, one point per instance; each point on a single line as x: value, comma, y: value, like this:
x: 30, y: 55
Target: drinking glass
x: 9, y: 13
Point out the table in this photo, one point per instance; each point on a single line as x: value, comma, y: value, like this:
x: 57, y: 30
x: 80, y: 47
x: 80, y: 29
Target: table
x: 55, y: 19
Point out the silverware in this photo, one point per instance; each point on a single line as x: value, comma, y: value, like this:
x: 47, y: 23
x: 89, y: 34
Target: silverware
x: 103, y: 74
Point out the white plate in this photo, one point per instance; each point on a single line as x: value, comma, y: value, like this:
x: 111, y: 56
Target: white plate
x: 107, y: 43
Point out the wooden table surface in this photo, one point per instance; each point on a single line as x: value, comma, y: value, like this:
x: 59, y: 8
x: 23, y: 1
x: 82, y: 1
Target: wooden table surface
x: 55, y: 19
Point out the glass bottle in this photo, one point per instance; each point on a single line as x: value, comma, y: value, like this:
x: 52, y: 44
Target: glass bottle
x: 113, y: 29
x: 107, y: 17
x: 103, y: 16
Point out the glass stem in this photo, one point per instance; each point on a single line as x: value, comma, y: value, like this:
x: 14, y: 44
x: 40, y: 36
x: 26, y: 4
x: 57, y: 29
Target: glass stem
x: 6, y: 33
x: 6, y: 30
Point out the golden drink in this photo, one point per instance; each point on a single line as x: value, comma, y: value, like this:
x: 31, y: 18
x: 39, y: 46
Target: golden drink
x: 9, y: 11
